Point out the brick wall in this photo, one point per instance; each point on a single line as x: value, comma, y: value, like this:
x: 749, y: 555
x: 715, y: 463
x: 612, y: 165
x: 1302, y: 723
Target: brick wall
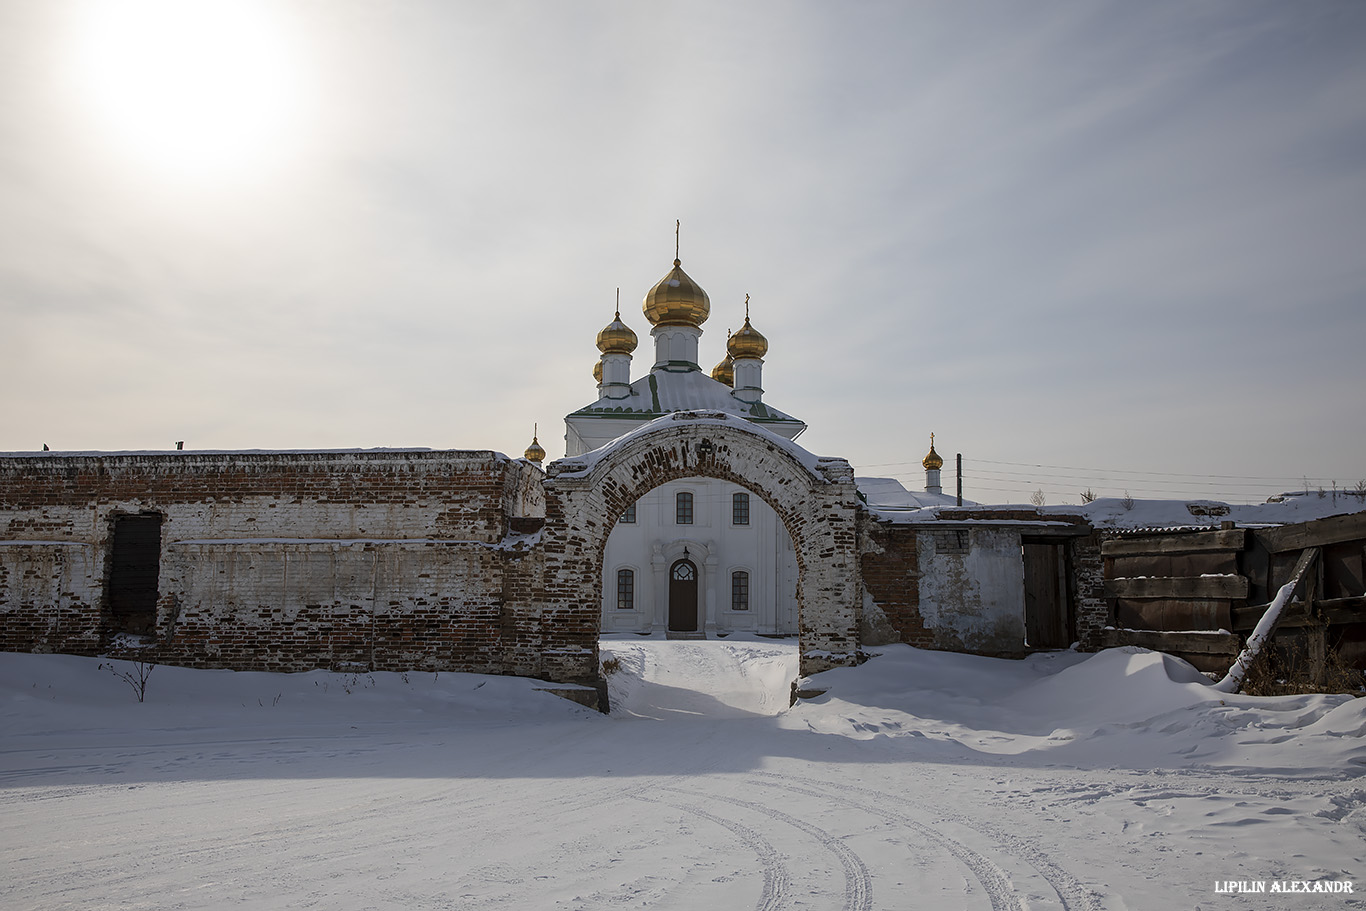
x: 282, y: 561
x: 956, y: 583
x: 891, y: 576
x: 1088, y: 585
x: 462, y: 560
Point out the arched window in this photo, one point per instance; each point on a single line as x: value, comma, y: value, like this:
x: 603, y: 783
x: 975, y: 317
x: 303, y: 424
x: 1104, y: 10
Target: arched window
x: 626, y: 589
x: 683, y: 508
x: 629, y: 516
x: 739, y: 590
x: 739, y: 509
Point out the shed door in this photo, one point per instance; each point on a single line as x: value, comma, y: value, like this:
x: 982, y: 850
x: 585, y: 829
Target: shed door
x: 1046, y: 615
x: 683, y: 597
x: 135, y: 564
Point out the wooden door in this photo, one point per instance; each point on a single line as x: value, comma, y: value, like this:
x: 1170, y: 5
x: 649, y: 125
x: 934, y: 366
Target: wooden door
x: 134, y: 565
x: 683, y: 597
x: 1045, y: 593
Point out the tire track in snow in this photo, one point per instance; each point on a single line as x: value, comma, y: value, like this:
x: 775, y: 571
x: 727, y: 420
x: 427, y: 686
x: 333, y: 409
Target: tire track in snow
x: 1071, y: 893
x: 994, y: 880
x: 774, y: 893
x: 858, y: 882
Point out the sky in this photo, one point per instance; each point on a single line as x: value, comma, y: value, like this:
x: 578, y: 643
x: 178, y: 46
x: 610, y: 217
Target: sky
x: 1091, y: 246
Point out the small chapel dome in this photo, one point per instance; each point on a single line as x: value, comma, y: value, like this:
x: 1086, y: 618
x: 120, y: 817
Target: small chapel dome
x: 597, y: 371
x: 617, y: 337
x: 535, y: 452
x: 677, y: 300
x: 724, y: 372
x: 747, y: 343
x: 932, y: 461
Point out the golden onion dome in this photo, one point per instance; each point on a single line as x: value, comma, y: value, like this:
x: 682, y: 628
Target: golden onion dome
x: 724, y: 372
x: 677, y: 300
x: 932, y: 461
x: 597, y: 371
x: 535, y: 452
x: 617, y: 337
x: 747, y: 343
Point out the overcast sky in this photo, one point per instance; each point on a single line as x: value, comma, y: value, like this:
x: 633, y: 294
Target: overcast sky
x: 1128, y: 238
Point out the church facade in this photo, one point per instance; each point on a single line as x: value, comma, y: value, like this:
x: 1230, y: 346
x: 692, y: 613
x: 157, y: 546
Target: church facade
x: 697, y: 556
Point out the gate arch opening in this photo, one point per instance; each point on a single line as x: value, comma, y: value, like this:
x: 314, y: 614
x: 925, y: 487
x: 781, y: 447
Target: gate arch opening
x: 814, y: 498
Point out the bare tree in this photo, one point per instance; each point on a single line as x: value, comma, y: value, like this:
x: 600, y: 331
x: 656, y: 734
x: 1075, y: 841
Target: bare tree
x: 1088, y: 495
x: 1037, y: 497
x: 135, y: 676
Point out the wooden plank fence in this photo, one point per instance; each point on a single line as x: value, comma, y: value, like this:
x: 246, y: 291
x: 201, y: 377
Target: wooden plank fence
x: 1188, y: 592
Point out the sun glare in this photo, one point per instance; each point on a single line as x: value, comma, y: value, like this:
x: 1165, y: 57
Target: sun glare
x: 202, y: 88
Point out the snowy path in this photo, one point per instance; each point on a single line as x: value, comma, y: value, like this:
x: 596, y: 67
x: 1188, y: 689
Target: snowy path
x: 702, y: 790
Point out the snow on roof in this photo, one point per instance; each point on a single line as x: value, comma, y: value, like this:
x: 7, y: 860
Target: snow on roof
x: 583, y: 464
x: 1117, y: 512
x: 664, y: 391
x: 888, y: 498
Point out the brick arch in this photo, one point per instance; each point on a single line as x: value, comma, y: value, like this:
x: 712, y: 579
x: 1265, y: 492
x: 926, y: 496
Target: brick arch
x: 815, y: 499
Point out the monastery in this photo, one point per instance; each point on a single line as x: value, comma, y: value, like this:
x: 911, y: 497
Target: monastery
x: 684, y: 506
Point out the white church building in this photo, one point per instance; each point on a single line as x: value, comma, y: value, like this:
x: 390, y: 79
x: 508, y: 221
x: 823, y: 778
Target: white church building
x: 698, y: 556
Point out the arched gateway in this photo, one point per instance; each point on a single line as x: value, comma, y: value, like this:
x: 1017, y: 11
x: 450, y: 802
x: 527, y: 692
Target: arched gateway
x: 815, y: 498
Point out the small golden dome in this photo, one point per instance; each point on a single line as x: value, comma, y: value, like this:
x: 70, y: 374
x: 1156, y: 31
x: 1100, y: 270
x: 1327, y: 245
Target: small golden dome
x: 677, y: 300
x: 724, y: 372
x: 932, y: 461
x: 617, y: 337
x: 597, y: 371
x: 748, y: 342
x: 534, y: 452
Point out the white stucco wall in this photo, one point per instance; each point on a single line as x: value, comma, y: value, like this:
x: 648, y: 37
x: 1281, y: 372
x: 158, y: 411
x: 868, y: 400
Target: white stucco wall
x: 717, y: 546
x: 972, y: 589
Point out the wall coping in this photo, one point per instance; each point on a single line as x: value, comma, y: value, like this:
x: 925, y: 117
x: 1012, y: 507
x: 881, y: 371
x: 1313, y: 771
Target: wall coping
x: 206, y: 457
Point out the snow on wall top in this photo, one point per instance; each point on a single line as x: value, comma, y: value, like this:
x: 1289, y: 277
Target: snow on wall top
x: 583, y: 464
x: 263, y: 454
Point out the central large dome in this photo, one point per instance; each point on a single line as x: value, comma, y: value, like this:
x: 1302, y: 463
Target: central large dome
x: 677, y: 300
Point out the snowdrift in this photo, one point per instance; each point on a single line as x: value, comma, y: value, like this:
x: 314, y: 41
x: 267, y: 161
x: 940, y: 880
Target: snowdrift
x: 1121, y: 708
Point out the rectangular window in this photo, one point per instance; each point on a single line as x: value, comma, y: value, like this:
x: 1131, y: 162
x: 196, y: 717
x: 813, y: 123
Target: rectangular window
x: 683, y: 509
x: 739, y: 509
x: 739, y: 591
x: 629, y: 516
x: 626, y: 589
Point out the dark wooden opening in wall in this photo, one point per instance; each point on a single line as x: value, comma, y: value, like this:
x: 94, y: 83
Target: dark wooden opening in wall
x: 134, y: 565
x: 683, y: 597
x: 1048, y: 615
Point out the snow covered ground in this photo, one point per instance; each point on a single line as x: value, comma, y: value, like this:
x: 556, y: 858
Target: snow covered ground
x: 919, y: 780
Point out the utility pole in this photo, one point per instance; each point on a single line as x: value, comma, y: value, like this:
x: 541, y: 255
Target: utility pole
x: 960, y: 479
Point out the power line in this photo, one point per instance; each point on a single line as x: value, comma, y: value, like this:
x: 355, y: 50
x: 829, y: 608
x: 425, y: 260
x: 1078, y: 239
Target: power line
x: 1058, y: 487
x: 1108, y: 472
x: 1030, y: 478
x: 1167, y: 474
